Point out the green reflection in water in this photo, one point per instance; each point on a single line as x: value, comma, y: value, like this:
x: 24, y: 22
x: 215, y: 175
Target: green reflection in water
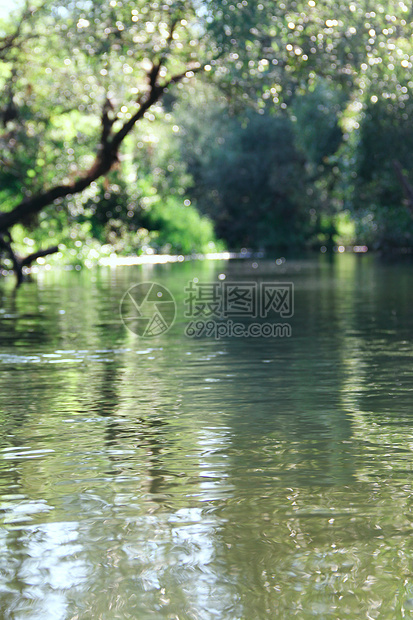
x: 193, y: 478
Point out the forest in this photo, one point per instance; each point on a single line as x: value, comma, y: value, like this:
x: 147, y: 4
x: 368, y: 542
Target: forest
x: 193, y: 126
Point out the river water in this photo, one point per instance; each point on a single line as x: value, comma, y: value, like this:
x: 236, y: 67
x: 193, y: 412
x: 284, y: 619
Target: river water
x: 199, y: 478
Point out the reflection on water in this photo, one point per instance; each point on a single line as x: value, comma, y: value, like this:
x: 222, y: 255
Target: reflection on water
x: 187, y: 478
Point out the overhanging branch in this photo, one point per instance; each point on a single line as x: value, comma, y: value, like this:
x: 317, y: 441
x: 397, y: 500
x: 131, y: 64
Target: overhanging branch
x: 26, y: 262
x: 106, y: 157
x: 17, y: 268
x: 20, y: 263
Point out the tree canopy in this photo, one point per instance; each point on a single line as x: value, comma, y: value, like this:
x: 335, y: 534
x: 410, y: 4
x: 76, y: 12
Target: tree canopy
x: 91, y: 145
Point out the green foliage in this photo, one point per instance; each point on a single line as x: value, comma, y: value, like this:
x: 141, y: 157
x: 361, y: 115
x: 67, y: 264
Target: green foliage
x: 384, y: 228
x: 251, y: 179
x: 384, y: 136
x: 180, y: 228
x: 264, y: 176
x: 329, y: 107
x: 317, y: 111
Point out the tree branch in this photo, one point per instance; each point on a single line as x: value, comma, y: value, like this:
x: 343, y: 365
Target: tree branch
x: 106, y: 157
x: 106, y: 122
x: 19, y: 264
x: 10, y: 41
x: 17, y: 268
x: 26, y: 262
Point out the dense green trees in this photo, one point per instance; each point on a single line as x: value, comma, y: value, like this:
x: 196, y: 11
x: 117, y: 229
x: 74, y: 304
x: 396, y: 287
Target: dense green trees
x: 252, y: 183
x: 262, y: 175
x: 307, y: 108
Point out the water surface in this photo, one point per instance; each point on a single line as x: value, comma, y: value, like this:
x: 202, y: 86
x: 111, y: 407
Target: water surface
x: 234, y: 479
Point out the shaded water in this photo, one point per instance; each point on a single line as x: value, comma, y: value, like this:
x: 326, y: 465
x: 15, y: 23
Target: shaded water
x: 179, y: 478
